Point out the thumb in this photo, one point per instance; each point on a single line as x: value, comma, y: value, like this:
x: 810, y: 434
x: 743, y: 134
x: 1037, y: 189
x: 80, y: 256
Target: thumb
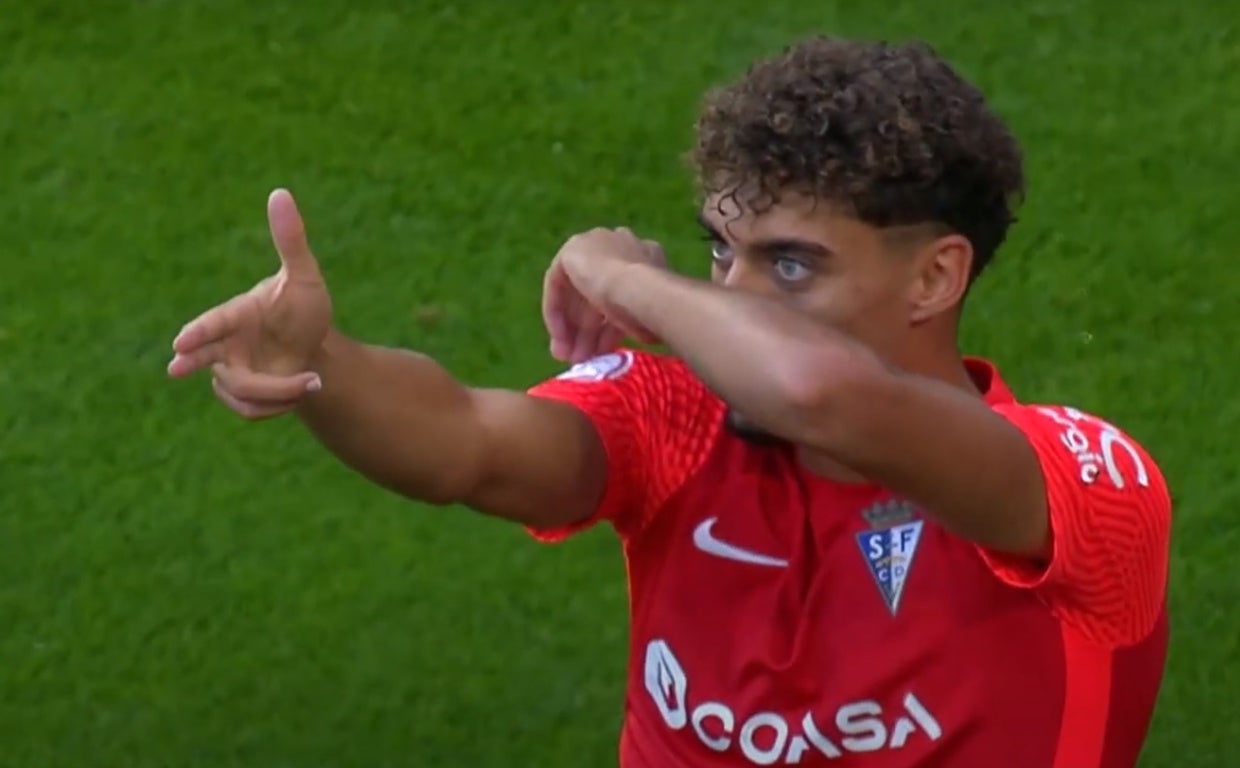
x: 289, y: 235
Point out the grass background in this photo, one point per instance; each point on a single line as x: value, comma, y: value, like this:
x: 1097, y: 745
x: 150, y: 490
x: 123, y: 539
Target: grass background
x: 178, y: 588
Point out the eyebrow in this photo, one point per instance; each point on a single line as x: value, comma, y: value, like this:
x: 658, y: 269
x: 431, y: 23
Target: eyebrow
x: 771, y: 245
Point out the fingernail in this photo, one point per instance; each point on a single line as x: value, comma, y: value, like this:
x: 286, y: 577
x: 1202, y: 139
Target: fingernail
x: 314, y: 385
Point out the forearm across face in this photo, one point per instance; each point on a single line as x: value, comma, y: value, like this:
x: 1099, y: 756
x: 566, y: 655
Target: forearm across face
x: 936, y: 444
x: 763, y: 358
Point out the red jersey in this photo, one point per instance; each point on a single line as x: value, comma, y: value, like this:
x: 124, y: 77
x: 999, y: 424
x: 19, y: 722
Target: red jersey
x: 778, y: 618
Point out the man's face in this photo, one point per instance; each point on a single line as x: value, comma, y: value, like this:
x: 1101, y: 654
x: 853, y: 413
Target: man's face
x: 834, y: 268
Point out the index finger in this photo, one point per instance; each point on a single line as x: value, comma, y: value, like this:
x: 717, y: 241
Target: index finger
x: 655, y: 250
x: 212, y: 325
x: 556, y: 290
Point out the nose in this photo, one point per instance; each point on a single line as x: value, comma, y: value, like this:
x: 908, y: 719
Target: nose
x: 745, y: 276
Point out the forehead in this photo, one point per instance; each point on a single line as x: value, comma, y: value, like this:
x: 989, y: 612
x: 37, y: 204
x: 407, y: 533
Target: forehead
x: 797, y: 217
x: 792, y: 217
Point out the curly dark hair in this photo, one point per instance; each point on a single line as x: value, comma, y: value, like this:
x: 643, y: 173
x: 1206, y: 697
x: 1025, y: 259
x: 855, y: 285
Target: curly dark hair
x: 888, y: 132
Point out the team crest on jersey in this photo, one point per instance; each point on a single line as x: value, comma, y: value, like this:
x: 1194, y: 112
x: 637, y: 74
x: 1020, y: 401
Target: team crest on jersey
x: 889, y: 547
x: 612, y: 365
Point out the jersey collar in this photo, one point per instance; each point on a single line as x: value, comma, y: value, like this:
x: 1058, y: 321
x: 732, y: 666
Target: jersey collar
x: 988, y: 381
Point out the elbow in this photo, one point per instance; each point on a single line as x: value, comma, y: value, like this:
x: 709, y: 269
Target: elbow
x: 444, y: 494
x: 434, y: 491
x: 458, y: 481
x: 455, y: 475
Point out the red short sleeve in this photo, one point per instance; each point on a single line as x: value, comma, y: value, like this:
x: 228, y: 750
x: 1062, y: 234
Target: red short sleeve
x: 1110, y: 516
x: 657, y: 422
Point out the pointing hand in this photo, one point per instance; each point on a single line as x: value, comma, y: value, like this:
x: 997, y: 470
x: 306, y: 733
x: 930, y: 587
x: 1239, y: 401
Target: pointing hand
x: 260, y: 344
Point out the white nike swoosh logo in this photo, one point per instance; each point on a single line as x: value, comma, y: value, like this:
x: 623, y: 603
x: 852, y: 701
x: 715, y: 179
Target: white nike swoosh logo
x: 704, y: 540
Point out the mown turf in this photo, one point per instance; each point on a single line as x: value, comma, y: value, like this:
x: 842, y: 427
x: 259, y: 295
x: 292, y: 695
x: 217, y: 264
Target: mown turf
x: 178, y: 588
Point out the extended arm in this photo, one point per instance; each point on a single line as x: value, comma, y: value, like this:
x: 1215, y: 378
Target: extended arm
x: 395, y: 417
x: 399, y: 419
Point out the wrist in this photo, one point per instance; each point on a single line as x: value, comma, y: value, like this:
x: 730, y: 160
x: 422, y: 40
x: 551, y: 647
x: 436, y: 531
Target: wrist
x: 334, y: 362
x: 640, y: 296
x: 628, y: 283
x: 329, y: 348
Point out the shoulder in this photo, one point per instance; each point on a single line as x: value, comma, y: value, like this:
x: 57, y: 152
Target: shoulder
x: 625, y: 374
x: 657, y: 423
x: 632, y: 395
x: 1110, y: 519
x: 1092, y: 449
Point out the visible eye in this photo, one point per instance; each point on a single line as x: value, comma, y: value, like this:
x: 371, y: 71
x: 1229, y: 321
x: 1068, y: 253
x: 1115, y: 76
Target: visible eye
x: 791, y: 270
x: 720, y: 252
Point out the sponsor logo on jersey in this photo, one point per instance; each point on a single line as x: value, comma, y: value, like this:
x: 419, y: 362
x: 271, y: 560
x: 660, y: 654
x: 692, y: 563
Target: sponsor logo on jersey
x: 889, y: 547
x: 1096, y: 457
x: 771, y: 738
x: 612, y: 365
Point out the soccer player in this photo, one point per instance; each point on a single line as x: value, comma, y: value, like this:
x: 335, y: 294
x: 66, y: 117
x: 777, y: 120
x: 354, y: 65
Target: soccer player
x: 847, y: 543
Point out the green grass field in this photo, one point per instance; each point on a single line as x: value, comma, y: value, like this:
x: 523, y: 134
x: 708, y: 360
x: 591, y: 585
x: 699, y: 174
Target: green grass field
x: 180, y: 588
